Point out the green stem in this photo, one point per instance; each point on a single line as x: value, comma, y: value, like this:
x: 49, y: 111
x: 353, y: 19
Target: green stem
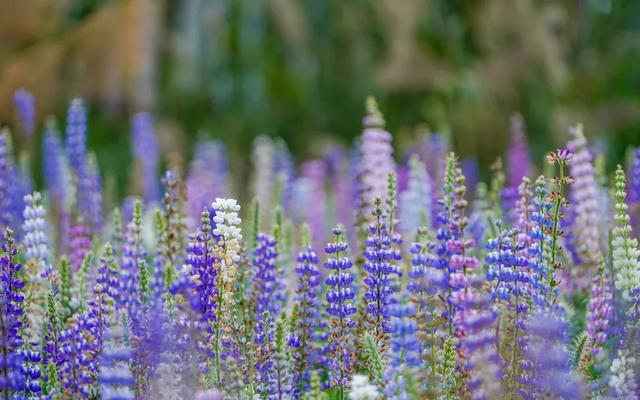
x: 556, y: 227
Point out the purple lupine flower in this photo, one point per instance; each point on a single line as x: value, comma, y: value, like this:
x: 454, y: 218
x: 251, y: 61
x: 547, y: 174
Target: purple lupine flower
x: 145, y: 149
x: 518, y: 158
x: 314, y: 172
x: 424, y: 280
x: 307, y: 291
x: 267, y: 285
x: 340, y: 295
x: 380, y: 266
x: 508, y: 200
x: 92, y: 193
x: 599, y: 313
x: 115, y: 378
x: 452, y: 246
x: 540, y: 241
x: 133, y: 261
x: 12, y: 379
x: 15, y: 182
x: 56, y: 168
x: 108, y: 275
x: 80, y: 244
x: 633, y: 185
x: 76, y: 137
x: 201, y: 263
x: 274, y: 377
x: 633, y: 190
x: 263, y: 338
x: 207, y: 177
x: 404, y: 351
x: 31, y: 361
x: 25, y: 105
x: 35, y: 239
x: 507, y: 272
x: 22, y: 187
x: 157, y: 275
x: 6, y: 182
x: 588, y: 240
x: 149, y: 340
x: 376, y: 162
x: 96, y: 320
x: 403, y: 328
x: 426, y: 285
x: 78, y: 352
x: 480, y: 341
x: 471, y: 172
x: 434, y: 154
x: 85, y: 172
x: 504, y: 267
x: 415, y: 202
x: 548, y: 367
x: 402, y: 177
x: 435, y: 158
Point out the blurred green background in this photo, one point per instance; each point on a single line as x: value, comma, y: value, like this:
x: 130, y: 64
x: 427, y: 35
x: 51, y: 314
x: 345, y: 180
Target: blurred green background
x: 301, y: 69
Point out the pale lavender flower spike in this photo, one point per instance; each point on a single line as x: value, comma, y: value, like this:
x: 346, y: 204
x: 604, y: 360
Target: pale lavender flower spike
x: 377, y: 155
x: 587, y: 214
x: 518, y: 154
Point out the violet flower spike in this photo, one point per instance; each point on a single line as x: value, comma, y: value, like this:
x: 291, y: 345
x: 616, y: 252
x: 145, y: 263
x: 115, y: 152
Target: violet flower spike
x: 25, y: 105
x: 13, y: 380
x: 307, y: 291
x: 340, y: 298
x: 380, y: 266
x: 145, y: 149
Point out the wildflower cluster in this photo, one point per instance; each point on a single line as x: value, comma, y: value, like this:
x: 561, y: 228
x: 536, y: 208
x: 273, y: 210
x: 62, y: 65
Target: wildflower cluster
x: 417, y: 292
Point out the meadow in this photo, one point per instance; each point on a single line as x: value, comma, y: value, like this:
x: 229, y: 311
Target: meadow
x: 361, y: 274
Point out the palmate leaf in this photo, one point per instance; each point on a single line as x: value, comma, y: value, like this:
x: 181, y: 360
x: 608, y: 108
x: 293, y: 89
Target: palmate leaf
x: 577, y: 348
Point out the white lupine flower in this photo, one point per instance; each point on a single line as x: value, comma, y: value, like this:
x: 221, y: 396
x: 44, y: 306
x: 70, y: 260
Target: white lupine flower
x: 623, y: 379
x: 625, y: 248
x: 361, y: 389
x: 228, y: 227
x: 35, y: 239
x: 226, y: 219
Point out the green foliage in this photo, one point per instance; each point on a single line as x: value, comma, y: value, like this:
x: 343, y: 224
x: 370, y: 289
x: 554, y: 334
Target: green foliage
x: 373, y: 358
x: 83, y: 274
x: 577, y: 348
x: 391, y: 201
x: 448, y: 375
x: 65, y: 288
x: 316, y: 392
x: 255, y: 229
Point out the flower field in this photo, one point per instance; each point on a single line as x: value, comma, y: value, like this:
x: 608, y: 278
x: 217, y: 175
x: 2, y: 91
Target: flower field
x: 358, y: 275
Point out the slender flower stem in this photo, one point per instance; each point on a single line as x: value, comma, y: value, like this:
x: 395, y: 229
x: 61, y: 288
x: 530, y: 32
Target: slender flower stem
x: 556, y: 216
